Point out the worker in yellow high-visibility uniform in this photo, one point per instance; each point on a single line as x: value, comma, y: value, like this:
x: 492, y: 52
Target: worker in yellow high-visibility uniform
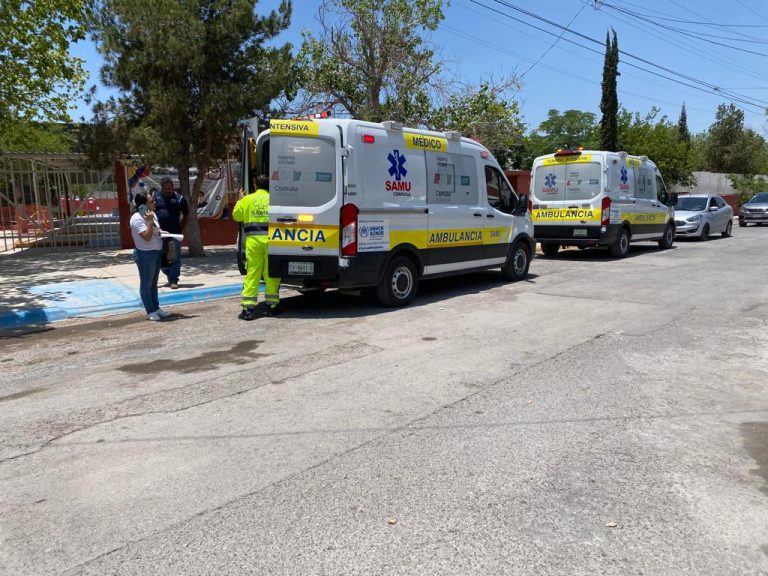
x: 253, y: 211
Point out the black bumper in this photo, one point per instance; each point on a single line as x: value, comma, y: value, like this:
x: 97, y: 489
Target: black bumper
x: 564, y: 235
x: 362, y: 270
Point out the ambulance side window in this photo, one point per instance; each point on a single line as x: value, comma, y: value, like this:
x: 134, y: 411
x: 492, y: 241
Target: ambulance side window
x: 661, y: 190
x: 500, y: 195
x: 452, y: 179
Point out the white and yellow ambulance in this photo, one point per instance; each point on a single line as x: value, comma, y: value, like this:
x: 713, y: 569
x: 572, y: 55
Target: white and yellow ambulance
x: 595, y: 198
x: 357, y: 204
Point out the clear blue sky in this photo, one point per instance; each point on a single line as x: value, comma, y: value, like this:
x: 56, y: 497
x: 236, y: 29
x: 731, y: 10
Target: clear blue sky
x: 480, y: 37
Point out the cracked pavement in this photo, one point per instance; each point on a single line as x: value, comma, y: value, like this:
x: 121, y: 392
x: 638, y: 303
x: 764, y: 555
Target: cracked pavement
x: 604, y: 416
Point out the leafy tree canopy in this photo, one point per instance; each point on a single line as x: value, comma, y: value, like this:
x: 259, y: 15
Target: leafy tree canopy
x: 659, y: 139
x: 188, y: 71
x: 38, y: 76
x: 371, y: 59
x: 572, y: 128
x: 487, y: 115
x: 731, y: 148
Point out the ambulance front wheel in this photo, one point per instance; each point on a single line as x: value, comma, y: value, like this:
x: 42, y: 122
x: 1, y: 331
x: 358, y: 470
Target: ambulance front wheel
x: 518, y: 263
x: 399, y: 284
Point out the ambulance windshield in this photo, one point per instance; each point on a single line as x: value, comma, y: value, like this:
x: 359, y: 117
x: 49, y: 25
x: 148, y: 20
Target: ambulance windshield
x: 302, y: 171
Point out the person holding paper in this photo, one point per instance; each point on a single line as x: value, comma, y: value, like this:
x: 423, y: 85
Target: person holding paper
x: 172, y: 213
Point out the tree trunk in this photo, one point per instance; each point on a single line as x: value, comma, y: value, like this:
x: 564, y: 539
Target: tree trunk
x: 192, y: 232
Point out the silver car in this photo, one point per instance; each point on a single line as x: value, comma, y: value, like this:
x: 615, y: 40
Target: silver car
x: 756, y: 210
x: 701, y: 215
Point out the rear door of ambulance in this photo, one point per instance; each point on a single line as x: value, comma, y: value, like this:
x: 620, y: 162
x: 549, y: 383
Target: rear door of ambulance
x: 548, y: 197
x: 305, y: 187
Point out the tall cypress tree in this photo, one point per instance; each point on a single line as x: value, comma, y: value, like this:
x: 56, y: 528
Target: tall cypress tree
x: 682, y: 126
x: 609, y: 102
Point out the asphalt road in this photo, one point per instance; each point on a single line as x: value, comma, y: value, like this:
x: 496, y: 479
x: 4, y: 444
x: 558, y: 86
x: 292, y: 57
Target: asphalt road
x: 603, y: 417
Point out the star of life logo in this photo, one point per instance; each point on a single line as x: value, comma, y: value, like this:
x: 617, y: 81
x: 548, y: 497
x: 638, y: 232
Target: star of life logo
x: 550, y: 184
x: 397, y: 170
x: 624, y: 178
x: 397, y: 165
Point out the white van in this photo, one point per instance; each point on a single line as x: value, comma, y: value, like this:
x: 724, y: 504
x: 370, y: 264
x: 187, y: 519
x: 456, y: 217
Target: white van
x: 594, y: 198
x: 357, y: 204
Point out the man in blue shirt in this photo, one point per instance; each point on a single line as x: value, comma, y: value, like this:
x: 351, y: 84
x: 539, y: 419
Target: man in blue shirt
x: 172, y: 212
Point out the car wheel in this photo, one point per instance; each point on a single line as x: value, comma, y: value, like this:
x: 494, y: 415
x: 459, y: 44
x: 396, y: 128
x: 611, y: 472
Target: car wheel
x: 398, y: 286
x: 549, y: 248
x: 728, y: 229
x: 620, y: 247
x: 704, y: 233
x: 742, y: 224
x: 518, y: 263
x: 668, y: 239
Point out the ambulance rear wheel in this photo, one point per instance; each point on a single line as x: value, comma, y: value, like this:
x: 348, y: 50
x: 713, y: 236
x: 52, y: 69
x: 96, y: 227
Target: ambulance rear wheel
x: 518, y: 263
x: 620, y: 247
x: 398, y: 286
x: 668, y: 239
x: 549, y: 248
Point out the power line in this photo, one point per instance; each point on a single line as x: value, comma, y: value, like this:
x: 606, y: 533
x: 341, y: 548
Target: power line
x: 713, y: 56
x: 553, y: 43
x: 697, y: 36
x: 755, y: 12
x: 697, y: 83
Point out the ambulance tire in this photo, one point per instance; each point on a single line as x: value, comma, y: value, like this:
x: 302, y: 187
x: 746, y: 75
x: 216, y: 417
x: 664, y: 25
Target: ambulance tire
x: 550, y: 248
x: 241, y: 251
x: 620, y: 247
x: 518, y: 263
x: 668, y: 239
x: 398, y: 286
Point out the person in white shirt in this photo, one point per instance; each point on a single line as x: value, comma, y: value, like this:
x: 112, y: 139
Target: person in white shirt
x: 145, y: 231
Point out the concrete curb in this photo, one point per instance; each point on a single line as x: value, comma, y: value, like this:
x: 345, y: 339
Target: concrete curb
x: 46, y: 315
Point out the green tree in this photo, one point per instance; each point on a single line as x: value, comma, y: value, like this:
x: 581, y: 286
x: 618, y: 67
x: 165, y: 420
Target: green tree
x: 682, y: 126
x: 28, y: 136
x: 371, y: 59
x: 657, y: 138
x: 486, y: 115
x: 38, y: 77
x: 572, y: 128
x: 188, y: 71
x: 748, y: 186
x: 731, y: 148
x: 609, y: 101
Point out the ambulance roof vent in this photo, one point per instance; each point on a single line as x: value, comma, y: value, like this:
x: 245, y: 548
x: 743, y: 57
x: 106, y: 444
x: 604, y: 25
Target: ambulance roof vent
x: 622, y: 154
x: 453, y: 135
x: 392, y: 125
x: 643, y: 158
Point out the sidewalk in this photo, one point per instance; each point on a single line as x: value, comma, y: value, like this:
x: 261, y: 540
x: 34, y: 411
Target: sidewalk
x: 38, y: 287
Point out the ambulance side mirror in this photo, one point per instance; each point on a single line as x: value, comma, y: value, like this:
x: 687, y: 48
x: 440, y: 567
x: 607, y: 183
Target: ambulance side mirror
x: 522, y: 205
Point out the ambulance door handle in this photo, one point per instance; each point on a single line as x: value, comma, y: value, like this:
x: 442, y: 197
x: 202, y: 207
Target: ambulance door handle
x: 489, y: 216
x: 478, y: 215
x: 290, y: 220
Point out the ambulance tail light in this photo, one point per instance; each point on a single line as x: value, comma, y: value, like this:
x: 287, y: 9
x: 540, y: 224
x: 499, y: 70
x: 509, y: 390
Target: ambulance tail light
x: 368, y: 139
x: 530, y: 205
x: 605, y: 209
x: 349, y: 214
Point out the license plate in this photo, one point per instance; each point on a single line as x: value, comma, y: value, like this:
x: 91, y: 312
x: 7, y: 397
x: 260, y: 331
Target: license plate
x: 301, y: 268
x: 580, y: 232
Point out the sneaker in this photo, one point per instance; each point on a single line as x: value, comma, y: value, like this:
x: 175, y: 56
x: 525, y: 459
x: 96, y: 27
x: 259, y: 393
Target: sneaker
x: 174, y: 285
x: 163, y: 313
x: 153, y: 316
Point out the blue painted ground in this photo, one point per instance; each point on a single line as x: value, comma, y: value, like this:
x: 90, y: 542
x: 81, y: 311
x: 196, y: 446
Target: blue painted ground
x: 98, y: 297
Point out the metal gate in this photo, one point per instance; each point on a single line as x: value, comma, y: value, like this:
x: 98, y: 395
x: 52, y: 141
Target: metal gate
x: 56, y: 200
